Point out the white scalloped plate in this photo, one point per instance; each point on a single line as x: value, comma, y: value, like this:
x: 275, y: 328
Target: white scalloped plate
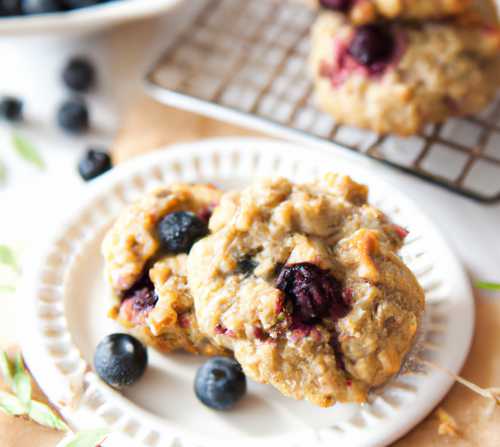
x: 66, y: 318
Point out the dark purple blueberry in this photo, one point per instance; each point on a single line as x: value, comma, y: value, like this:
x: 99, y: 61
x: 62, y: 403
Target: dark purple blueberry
x: 337, y: 350
x: 94, y: 163
x: 336, y: 5
x: 220, y: 383
x: 40, y: 6
x: 178, y: 231
x: 11, y: 108
x: 372, y: 44
x: 143, y: 300
x: 141, y: 296
x: 10, y: 8
x: 74, y: 4
x: 120, y: 360
x: 246, y: 265
x: 73, y: 116
x: 79, y: 74
x: 313, y: 292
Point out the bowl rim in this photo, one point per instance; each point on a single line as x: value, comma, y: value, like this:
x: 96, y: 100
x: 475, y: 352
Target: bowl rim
x: 89, y: 17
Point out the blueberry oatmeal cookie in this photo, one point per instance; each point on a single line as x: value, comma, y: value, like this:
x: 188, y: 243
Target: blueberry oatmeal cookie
x: 366, y: 11
x: 303, y: 283
x: 395, y: 78
x: 145, y: 255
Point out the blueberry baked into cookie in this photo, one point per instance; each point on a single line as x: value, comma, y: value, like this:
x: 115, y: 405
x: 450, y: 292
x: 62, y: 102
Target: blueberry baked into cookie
x: 145, y: 255
x: 303, y: 283
x: 397, y: 77
x: 366, y: 11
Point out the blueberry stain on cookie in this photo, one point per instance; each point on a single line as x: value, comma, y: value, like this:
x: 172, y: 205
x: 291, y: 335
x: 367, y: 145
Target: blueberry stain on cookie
x: 336, y: 5
x: 222, y: 330
x: 206, y: 213
x: 337, y: 350
x: 178, y: 231
x: 139, y: 300
x: 313, y: 293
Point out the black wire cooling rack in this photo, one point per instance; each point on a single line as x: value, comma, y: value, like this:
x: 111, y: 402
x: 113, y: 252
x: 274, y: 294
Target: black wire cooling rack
x: 246, y: 62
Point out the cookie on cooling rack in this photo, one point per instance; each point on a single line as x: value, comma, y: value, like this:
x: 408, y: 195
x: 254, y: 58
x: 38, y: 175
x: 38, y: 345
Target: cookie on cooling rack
x: 395, y: 78
x: 366, y: 11
x: 145, y: 255
x: 303, y: 283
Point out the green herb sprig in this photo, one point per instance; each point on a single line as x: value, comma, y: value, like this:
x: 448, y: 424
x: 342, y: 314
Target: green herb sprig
x: 3, y: 172
x: 19, y: 402
x: 9, y: 259
x: 486, y: 285
x: 27, y: 151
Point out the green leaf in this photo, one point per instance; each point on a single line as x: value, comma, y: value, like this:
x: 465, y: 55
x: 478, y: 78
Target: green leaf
x: 485, y: 285
x: 8, y: 258
x: 22, y: 382
x: 91, y: 438
x: 27, y: 151
x: 7, y: 368
x: 43, y: 415
x: 11, y: 404
x: 3, y: 172
x: 7, y: 289
x: 18, y: 378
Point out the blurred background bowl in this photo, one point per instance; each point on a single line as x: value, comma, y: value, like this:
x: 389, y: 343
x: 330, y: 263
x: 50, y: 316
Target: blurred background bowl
x: 83, y: 20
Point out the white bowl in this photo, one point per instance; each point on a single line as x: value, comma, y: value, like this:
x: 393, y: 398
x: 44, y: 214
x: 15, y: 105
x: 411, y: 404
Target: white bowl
x: 66, y: 317
x: 85, y: 19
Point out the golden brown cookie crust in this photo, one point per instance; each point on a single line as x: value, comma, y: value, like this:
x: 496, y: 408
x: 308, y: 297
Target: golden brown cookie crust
x: 329, y: 225
x: 368, y: 11
x: 132, y: 254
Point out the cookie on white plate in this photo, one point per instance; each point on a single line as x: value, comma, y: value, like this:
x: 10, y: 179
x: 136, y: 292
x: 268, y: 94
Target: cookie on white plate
x: 302, y: 282
x: 145, y: 254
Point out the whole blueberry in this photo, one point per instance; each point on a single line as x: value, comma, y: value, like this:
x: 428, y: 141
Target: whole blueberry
x: 94, y: 163
x: 10, y: 8
x: 220, y: 383
x: 178, y: 231
x: 313, y: 292
x: 11, y: 109
x: 78, y: 74
x: 40, y: 6
x: 120, y: 360
x: 372, y: 44
x: 336, y: 5
x: 73, y: 116
x: 74, y: 4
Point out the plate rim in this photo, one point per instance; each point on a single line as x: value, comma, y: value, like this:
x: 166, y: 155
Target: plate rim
x: 175, y: 151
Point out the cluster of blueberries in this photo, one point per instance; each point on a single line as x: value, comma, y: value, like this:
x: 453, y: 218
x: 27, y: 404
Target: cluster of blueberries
x: 27, y: 7
x: 121, y: 360
x: 72, y: 115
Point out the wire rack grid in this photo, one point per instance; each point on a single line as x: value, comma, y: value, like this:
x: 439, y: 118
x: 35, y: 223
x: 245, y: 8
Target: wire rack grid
x: 246, y: 61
